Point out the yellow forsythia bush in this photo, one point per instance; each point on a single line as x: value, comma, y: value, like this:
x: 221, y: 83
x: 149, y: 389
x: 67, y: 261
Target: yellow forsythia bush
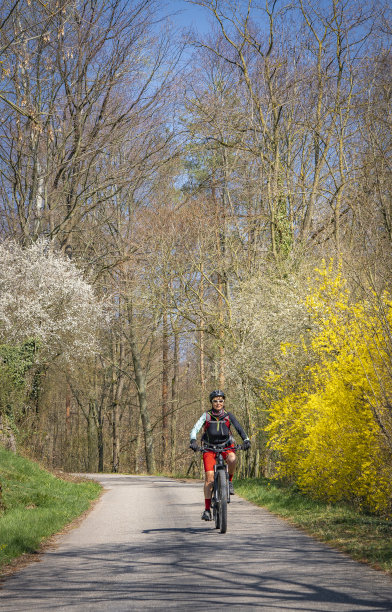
x: 331, y: 424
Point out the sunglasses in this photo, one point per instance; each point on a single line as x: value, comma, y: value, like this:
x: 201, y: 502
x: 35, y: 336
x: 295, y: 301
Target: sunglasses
x: 218, y: 401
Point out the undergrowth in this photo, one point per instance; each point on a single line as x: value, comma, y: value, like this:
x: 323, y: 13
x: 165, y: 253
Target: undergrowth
x: 35, y: 504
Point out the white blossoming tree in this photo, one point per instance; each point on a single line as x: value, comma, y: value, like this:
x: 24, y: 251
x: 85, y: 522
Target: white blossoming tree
x: 44, y: 303
x: 44, y: 296
x: 267, y: 312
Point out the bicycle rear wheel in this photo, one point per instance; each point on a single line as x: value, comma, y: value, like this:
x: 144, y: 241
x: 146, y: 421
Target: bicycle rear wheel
x: 222, y: 500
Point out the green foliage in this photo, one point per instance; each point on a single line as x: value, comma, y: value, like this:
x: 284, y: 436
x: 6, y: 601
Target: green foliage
x: 15, y: 362
x: 363, y: 536
x: 35, y: 504
x: 330, y: 424
x: 18, y: 360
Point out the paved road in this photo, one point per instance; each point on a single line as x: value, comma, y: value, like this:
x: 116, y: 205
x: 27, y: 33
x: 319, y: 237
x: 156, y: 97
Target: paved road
x: 144, y: 547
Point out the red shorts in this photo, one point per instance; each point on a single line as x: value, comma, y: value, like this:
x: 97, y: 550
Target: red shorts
x: 209, y: 458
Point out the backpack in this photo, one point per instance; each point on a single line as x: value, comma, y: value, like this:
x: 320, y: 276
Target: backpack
x: 216, y: 430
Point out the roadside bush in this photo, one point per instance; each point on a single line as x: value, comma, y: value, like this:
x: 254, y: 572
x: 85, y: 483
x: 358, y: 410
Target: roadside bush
x: 332, y: 426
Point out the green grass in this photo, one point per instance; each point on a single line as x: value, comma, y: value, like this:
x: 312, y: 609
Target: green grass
x: 35, y: 505
x: 364, y: 537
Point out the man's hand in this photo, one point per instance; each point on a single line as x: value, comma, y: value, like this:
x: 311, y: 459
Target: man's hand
x: 246, y: 445
x: 193, y: 445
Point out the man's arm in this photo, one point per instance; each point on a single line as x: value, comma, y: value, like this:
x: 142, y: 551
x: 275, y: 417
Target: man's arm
x: 237, y: 426
x: 197, y: 427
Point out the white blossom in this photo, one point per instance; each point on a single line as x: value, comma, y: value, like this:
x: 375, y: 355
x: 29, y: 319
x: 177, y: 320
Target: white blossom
x: 44, y: 296
x: 266, y: 313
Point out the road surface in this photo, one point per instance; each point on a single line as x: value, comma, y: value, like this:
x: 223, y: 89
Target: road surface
x: 144, y: 547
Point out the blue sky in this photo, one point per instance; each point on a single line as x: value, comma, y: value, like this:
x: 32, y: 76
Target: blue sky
x: 188, y: 15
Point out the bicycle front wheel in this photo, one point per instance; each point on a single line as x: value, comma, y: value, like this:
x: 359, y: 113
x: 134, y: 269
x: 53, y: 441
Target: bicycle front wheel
x: 216, y: 516
x: 222, y: 500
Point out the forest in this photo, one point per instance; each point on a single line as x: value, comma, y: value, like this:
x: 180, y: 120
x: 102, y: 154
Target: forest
x: 185, y: 211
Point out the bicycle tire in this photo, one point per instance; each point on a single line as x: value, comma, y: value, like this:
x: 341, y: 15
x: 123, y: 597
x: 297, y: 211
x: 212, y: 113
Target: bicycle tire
x: 215, y: 504
x: 216, y: 517
x: 222, y: 500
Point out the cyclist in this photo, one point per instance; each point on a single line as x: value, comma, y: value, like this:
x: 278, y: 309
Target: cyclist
x: 216, y: 423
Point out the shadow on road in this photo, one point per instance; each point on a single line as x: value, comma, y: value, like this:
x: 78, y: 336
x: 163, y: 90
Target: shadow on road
x: 198, y: 568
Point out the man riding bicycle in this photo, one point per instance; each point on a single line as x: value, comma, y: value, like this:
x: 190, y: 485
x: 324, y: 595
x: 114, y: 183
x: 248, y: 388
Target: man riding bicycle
x: 216, y: 423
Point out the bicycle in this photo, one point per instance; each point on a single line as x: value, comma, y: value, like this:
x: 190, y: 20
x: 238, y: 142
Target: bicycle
x: 221, y: 489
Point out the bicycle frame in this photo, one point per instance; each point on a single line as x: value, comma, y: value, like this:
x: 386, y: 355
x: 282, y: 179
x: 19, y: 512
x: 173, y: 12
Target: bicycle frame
x: 221, y: 490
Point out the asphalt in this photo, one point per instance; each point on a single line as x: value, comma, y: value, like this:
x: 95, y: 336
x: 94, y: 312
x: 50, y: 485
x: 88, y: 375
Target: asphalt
x: 144, y: 547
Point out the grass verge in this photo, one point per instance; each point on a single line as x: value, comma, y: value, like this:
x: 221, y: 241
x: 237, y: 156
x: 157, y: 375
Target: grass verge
x: 35, y: 505
x: 366, y: 538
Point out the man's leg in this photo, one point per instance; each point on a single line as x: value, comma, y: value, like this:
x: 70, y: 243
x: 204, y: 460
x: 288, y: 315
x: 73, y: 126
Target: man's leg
x: 231, y: 460
x: 208, y: 485
x: 209, y: 462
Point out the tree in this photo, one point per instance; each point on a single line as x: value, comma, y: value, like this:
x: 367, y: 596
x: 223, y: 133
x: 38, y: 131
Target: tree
x: 44, y: 296
x: 85, y: 95
x: 49, y: 315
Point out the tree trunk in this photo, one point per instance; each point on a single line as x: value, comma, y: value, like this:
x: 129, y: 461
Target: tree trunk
x: 174, y: 391
x: 115, y: 438
x: 250, y: 453
x: 137, y: 449
x: 91, y: 438
x: 165, y: 386
x: 117, y: 390
x: 220, y: 231
x: 67, y: 410
x: 140, y: 380
x: 202, y: 369
x: 202, y: 345
x: 100, y: 446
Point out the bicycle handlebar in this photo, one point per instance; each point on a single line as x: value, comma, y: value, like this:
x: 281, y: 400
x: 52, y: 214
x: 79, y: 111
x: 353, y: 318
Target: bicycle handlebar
x: 218, y: 448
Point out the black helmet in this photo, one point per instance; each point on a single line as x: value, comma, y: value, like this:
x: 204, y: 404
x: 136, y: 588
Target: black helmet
x: 216, y: 393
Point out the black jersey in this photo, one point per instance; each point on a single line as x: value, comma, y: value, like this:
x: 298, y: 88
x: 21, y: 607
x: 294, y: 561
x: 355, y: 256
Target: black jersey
x: 217, y: 428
